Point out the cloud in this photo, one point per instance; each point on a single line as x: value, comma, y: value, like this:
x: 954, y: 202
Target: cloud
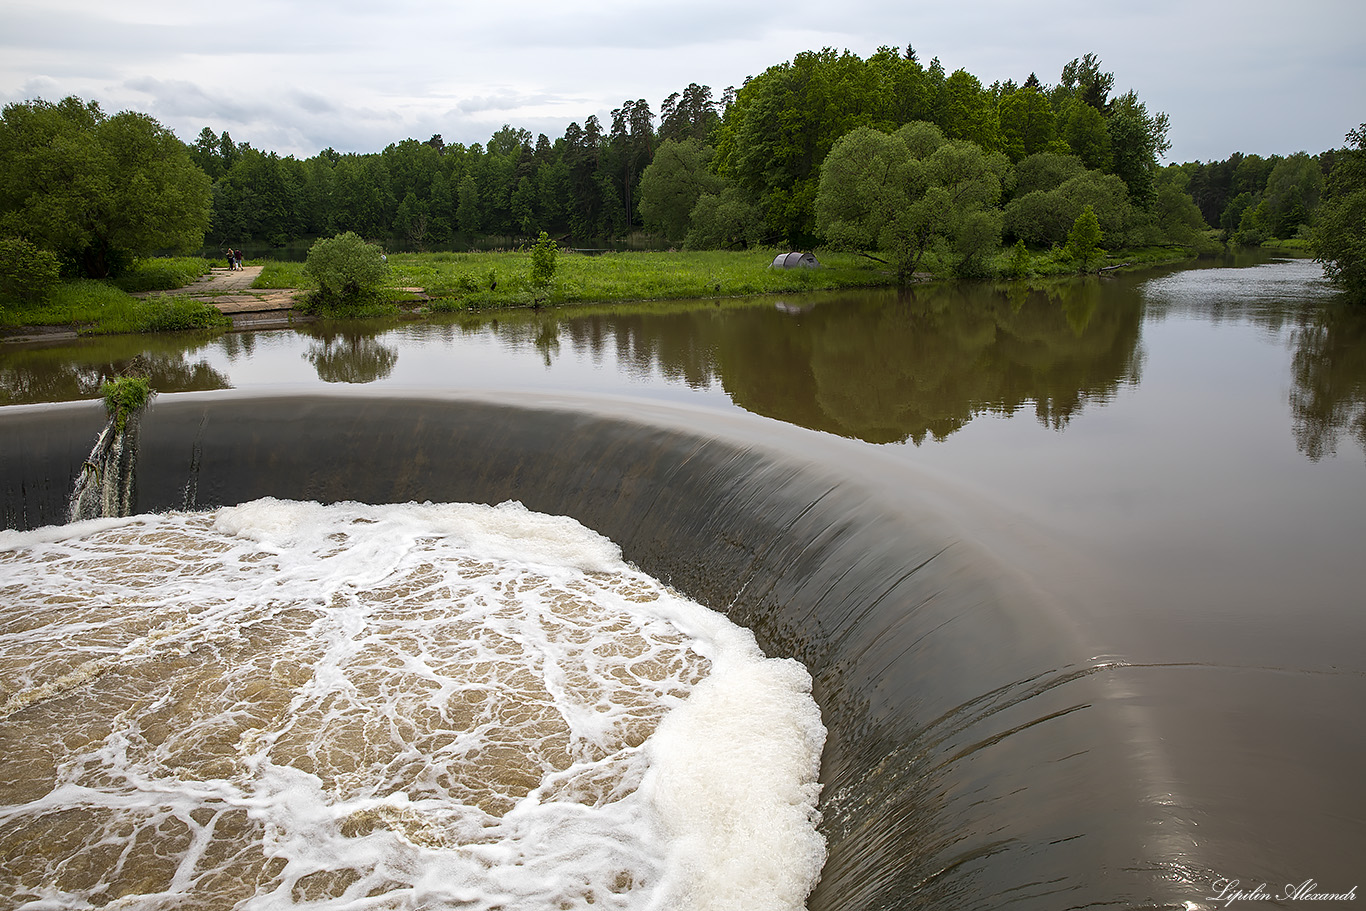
x: 294, y: 77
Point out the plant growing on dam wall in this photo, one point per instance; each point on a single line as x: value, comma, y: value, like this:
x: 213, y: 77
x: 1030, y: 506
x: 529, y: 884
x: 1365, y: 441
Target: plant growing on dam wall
x: 124, y: 397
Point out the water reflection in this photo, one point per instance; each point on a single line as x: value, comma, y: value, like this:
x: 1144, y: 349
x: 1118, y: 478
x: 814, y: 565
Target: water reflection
x: 348, y: 352
x: 1288, y: 300
x: 76, y: 371
x: 893, y: 366
x: 880, y: 366
x: 1328, y: 395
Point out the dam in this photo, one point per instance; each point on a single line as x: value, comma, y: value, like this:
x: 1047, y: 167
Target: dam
x: 977, y: 754
x: 1019, y: 713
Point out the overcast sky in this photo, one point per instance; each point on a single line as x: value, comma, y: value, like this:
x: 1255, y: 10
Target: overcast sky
x: 296, y: 77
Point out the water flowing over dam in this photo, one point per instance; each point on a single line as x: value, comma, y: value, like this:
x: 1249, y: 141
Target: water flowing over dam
x: 988, y: 745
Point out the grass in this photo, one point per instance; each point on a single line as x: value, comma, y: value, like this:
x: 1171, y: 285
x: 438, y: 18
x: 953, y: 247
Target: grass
x: 1298, y: 245
x: 99, y: 308
x: 474, y: 280
x: 162, y: 274
x: 459, y: 282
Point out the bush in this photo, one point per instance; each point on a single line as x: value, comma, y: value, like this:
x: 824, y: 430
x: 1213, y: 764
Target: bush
x: 1019, y: 264
x: 124, y: 397
x: 543, y: 260
x: 345, y: 266
x: 27, y: 273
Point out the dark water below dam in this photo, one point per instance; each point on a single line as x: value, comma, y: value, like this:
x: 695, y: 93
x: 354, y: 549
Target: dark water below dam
x: 1075, y: 571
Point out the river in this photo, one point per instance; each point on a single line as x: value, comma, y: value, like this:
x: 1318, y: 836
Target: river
x: 1172, y: 464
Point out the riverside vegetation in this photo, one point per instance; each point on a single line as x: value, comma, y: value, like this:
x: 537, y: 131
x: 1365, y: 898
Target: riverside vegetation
x: 109, y: 307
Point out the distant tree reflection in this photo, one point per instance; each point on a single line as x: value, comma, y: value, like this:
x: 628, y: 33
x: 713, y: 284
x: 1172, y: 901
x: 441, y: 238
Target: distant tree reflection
x: 349, y: 355
x: 53, y: 375
x: 887, y: 366
x: 1328, y: 397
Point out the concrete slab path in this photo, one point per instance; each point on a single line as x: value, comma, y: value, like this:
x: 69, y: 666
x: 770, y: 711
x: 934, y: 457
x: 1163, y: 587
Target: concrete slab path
x: 230, y: 291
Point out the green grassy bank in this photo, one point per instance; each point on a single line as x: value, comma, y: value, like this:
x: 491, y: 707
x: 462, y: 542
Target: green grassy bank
x: 477, y: 281
x: 451, y: 282
x: 90, y: 307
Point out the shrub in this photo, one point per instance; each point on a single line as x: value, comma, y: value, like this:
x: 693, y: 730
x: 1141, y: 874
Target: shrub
x: 345, y: 266
x: 543, y: 260
x: 1019, y: 264
x: 27, y: 273
x: 124, y: 397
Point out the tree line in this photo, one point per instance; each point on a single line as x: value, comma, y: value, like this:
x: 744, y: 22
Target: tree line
x: 751, y: 158
x: 885, y: 155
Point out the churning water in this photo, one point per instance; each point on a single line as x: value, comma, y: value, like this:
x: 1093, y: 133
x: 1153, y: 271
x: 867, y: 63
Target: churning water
x: 289, y: 705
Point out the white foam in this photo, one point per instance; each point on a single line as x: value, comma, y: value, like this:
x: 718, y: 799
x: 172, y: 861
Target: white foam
x: 286, y: 705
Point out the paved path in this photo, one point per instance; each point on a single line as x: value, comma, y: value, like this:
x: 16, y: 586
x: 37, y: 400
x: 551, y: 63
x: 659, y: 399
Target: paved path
x: 231, y: 292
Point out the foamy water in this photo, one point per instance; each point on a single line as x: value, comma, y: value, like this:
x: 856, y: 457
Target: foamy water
x: 286, y: 705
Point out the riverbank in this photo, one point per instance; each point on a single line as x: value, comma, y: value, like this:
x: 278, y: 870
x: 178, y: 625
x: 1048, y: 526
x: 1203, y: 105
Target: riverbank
x: 453, y: 282
x: 195, y: 295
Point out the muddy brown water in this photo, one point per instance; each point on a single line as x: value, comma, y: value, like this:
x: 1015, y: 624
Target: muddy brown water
x: 1076, y: 568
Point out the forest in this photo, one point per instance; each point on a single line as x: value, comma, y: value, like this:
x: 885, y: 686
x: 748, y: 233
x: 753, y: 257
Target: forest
x: 886, y: 156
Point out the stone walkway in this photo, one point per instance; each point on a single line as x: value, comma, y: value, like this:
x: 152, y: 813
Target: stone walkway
x: 231, y: 292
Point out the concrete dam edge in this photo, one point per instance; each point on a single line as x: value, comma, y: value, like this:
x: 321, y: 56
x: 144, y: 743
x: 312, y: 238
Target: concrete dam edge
x: 971, y: 761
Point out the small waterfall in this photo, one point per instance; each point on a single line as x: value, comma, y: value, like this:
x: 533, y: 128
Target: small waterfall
x: 105, y: 486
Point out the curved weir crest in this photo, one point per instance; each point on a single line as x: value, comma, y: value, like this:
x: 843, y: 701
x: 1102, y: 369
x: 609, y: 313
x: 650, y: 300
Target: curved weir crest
x: 979, y: 754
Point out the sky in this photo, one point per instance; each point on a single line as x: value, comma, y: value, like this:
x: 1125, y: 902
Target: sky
x: 296, y: 77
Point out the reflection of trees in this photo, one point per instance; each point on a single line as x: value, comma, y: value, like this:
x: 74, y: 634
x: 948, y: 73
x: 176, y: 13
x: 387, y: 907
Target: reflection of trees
x: 925, y: 362
x: 68, y: 374
x: 1287, y: 298
x: 1329, y: 375
x: 885, y: 366
x: 348, y: 354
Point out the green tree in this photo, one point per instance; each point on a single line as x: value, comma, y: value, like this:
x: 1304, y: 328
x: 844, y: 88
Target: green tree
x: 1178, y: 216
x: 467, y: 212
x: 691, y: 115
x: 1137, y: 139
x: 1046, y: 171
x: 1083, y: 241
x: 98, y: 190
x: 910, y: 193
x: 1043, y: 218
x: 782, y: 125
x: 673, y: 183
x: 1339, y: 237
x: 258, y: 198
x: 1083, y: 79
x: 1087, y: 135
x: 969, y: 111
x: 1028, y: 124
x: 866, y: 180
x: 1293, y: 189
x: 726, y: 220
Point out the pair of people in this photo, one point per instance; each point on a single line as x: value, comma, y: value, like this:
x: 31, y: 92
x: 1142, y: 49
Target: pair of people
x: 234, y: 259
